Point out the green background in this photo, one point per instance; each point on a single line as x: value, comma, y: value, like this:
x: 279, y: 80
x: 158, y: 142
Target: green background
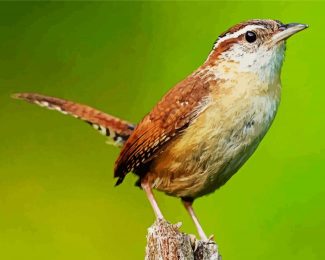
x: 57, y: 199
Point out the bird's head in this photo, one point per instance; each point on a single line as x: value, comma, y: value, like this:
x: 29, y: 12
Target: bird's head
x: 255, y: 46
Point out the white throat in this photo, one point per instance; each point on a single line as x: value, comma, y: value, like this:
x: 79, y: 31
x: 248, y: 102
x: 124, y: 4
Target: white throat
x: 265, y: 62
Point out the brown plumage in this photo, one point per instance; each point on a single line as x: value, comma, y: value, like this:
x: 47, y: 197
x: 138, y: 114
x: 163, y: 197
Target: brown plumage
x: 206, y: 127
x: 178, y: 108
x: 116, y: 129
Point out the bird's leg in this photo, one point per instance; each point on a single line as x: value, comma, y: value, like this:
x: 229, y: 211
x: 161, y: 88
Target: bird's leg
x: 146, y: 187
x: 189, y: 208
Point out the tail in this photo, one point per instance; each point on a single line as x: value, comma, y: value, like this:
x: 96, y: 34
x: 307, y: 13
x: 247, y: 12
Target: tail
x: 117, y: 130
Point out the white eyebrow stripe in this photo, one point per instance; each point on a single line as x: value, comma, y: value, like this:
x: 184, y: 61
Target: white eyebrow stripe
x: 238, y: 33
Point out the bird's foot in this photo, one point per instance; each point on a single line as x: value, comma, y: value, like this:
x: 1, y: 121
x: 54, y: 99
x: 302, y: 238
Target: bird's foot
x: 194, y: 242
x: 211, y: 238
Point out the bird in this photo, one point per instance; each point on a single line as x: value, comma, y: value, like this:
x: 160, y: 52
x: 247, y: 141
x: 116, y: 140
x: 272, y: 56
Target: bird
x: 204, y: 128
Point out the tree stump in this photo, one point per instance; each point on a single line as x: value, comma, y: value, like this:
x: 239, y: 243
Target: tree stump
x: 166, y: 242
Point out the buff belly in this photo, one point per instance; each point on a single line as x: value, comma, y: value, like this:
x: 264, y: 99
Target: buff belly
x: 212, y: 148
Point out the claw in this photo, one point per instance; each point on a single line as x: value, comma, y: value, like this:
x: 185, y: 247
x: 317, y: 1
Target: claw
x: 178, y: 225
x: 194, y: 242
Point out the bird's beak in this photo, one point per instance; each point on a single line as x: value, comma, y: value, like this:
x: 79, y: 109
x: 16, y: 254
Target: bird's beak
x: 286, y: 30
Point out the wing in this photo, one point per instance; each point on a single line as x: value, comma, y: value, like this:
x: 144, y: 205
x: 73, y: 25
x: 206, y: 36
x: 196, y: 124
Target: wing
x: 177, y: 109
x: 116, y: 129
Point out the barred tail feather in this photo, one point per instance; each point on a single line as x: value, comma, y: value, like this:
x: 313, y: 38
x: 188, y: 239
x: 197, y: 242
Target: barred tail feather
x: 117, y: 130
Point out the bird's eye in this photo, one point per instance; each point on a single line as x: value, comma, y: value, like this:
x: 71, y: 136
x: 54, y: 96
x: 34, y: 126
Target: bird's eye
x: 250, y: 36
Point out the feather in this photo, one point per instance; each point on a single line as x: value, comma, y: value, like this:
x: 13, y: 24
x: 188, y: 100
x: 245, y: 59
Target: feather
x: 117, y: 130
x: 177, y: 109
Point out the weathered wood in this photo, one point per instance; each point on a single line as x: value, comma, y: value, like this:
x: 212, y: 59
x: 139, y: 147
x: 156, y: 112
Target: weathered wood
x: 166, y: 242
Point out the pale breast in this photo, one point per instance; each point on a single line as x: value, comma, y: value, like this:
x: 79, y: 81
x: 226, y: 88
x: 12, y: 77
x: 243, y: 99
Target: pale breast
x: 215, y: 146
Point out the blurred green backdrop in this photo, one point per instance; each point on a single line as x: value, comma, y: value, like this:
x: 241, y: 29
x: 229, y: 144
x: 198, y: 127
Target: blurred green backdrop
x: 57, y: 199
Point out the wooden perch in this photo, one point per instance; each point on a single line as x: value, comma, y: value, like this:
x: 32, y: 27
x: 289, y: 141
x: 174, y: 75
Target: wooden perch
x: 166, y: 242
